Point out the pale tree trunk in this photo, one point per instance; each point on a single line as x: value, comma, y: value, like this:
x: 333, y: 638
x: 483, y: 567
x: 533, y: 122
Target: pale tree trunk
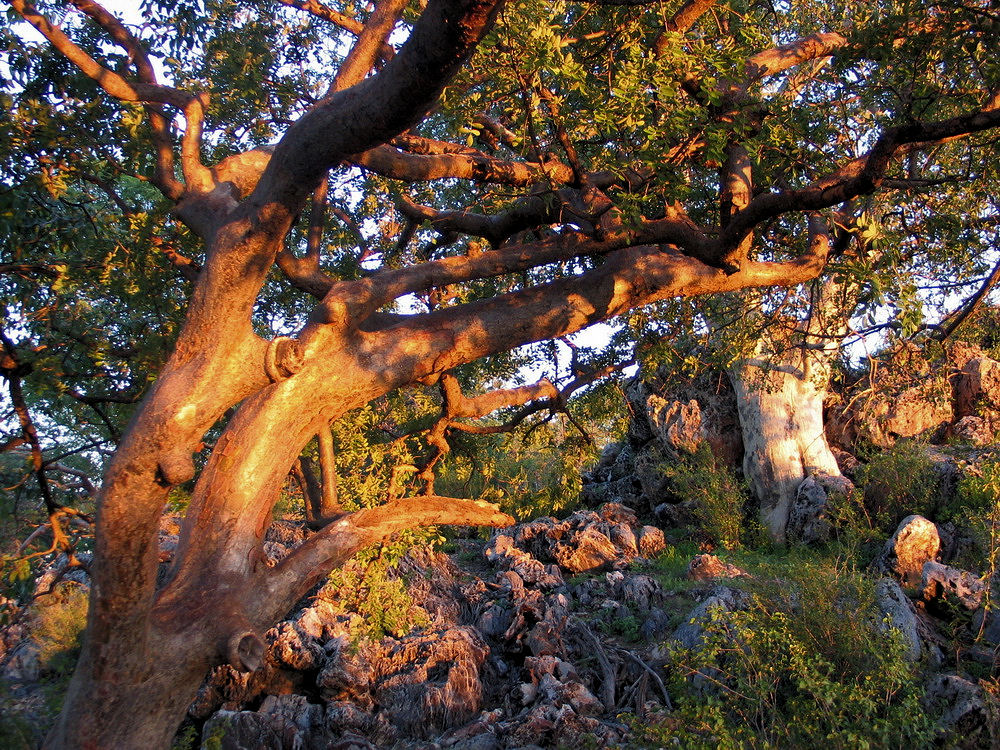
x: 781, y: 417
x: 780, y: 391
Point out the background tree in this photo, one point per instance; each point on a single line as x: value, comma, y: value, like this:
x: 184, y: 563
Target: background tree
x: 582, y: 190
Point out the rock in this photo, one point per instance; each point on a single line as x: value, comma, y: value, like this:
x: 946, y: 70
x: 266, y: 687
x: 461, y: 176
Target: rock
x: 710, y: 568
x: 916, y: 411
x: 647, y: 470
x: 290, y: 647
x: 484, y: 741
x: 676, y: 515
x: 898, y: 614
x: 943, y: 581
x: 676, y: 425
x: 430, y: 682
x: 655, y: 624
x: 977, y: 390
x: 974, y: 430
x: 23, y: 663
x: 990, y: 629
x: 966, y: 717
x: 722, y: 599
x: 590, y: 550
x: 651, y: 541
x: 296, y: 721
x: 347, y: 674
x: 846, y: 462
x: 915, y: 542
x: 640, y: 592
x: 239, y: 730
x: 808, y: 517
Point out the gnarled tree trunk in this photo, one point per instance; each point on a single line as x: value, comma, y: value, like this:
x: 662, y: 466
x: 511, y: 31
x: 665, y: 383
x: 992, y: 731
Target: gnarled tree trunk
x: 781, y: 417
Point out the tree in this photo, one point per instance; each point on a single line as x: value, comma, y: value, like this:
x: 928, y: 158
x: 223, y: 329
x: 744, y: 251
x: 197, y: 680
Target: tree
x: 597, y: 124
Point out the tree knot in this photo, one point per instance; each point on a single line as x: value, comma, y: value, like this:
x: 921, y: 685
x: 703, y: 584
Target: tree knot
x: 283, y: 358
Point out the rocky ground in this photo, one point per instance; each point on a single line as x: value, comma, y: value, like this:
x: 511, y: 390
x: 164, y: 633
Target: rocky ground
x: 552, y: 634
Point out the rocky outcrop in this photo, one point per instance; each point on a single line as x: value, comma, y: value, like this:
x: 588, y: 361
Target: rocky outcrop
x: 512, y: 642
x: 587, y: 541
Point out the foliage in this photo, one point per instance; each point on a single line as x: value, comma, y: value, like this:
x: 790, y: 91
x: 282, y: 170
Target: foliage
x: 977, y: 509
x: 719, y: 497
x: 58, y: 627
x: 806, y: 660
x: 898, y: 482
x: 370, y: 587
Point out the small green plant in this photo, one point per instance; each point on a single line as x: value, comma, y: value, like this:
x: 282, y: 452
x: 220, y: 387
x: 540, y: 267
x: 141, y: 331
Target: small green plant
x: 368, y: 587
x: 59, y: 624
x: 977, y: 508
x: 720, y: 497
x: 897, y: 483
x: 805, y: 660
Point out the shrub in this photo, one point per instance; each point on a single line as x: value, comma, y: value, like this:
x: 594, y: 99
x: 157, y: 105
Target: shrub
x: 720, y: 497
x: 805, y: 662
x: 59, y: 624
x: 897, y: 483
x: 367, y: 587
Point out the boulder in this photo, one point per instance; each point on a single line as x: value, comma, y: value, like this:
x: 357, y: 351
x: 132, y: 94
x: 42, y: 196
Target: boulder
x: 808, y: 518
x: 675, y: 425
x: 589, y: 550
x: 966, y: 719
x: 721, y: 599
x: 711, y: 568
x: 651, y: 541
x: 915, y: 542
x: 900, y: 615
x: 945, y: 582
x: 977, y: 390
x: 429, y: 682
x: 973, y: 430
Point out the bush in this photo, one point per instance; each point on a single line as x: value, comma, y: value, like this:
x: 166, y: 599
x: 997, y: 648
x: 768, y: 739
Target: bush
x: 367, y: 587
x: 805, y: 662
x: 720, y: 497
x: 60, y: 620
x: 897, y: 483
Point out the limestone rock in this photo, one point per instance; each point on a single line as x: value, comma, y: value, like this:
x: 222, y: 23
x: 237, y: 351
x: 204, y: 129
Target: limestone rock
x: 239, y: 730
x: 915, y: 542
x: 898, y: 614
x: 808, y: 517
x: 710, y: 568
x: 651, y: 541
x: 722, y: 599
x: 977, y: 390
x: 676, y: 425
x: 939, y: 581
x: 430, y: 681
x: 590, y: 550
x: 974, y: 430
x: 966, y: 718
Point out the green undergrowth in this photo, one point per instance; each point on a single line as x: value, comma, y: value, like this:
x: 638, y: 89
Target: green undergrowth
x: 720, y: 499
x: 57, y: 621
x: 805, y: 662
x: 370, y: 588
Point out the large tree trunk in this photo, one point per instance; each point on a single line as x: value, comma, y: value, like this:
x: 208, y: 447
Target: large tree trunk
x: 780, y: 391
x: 781, y: 416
